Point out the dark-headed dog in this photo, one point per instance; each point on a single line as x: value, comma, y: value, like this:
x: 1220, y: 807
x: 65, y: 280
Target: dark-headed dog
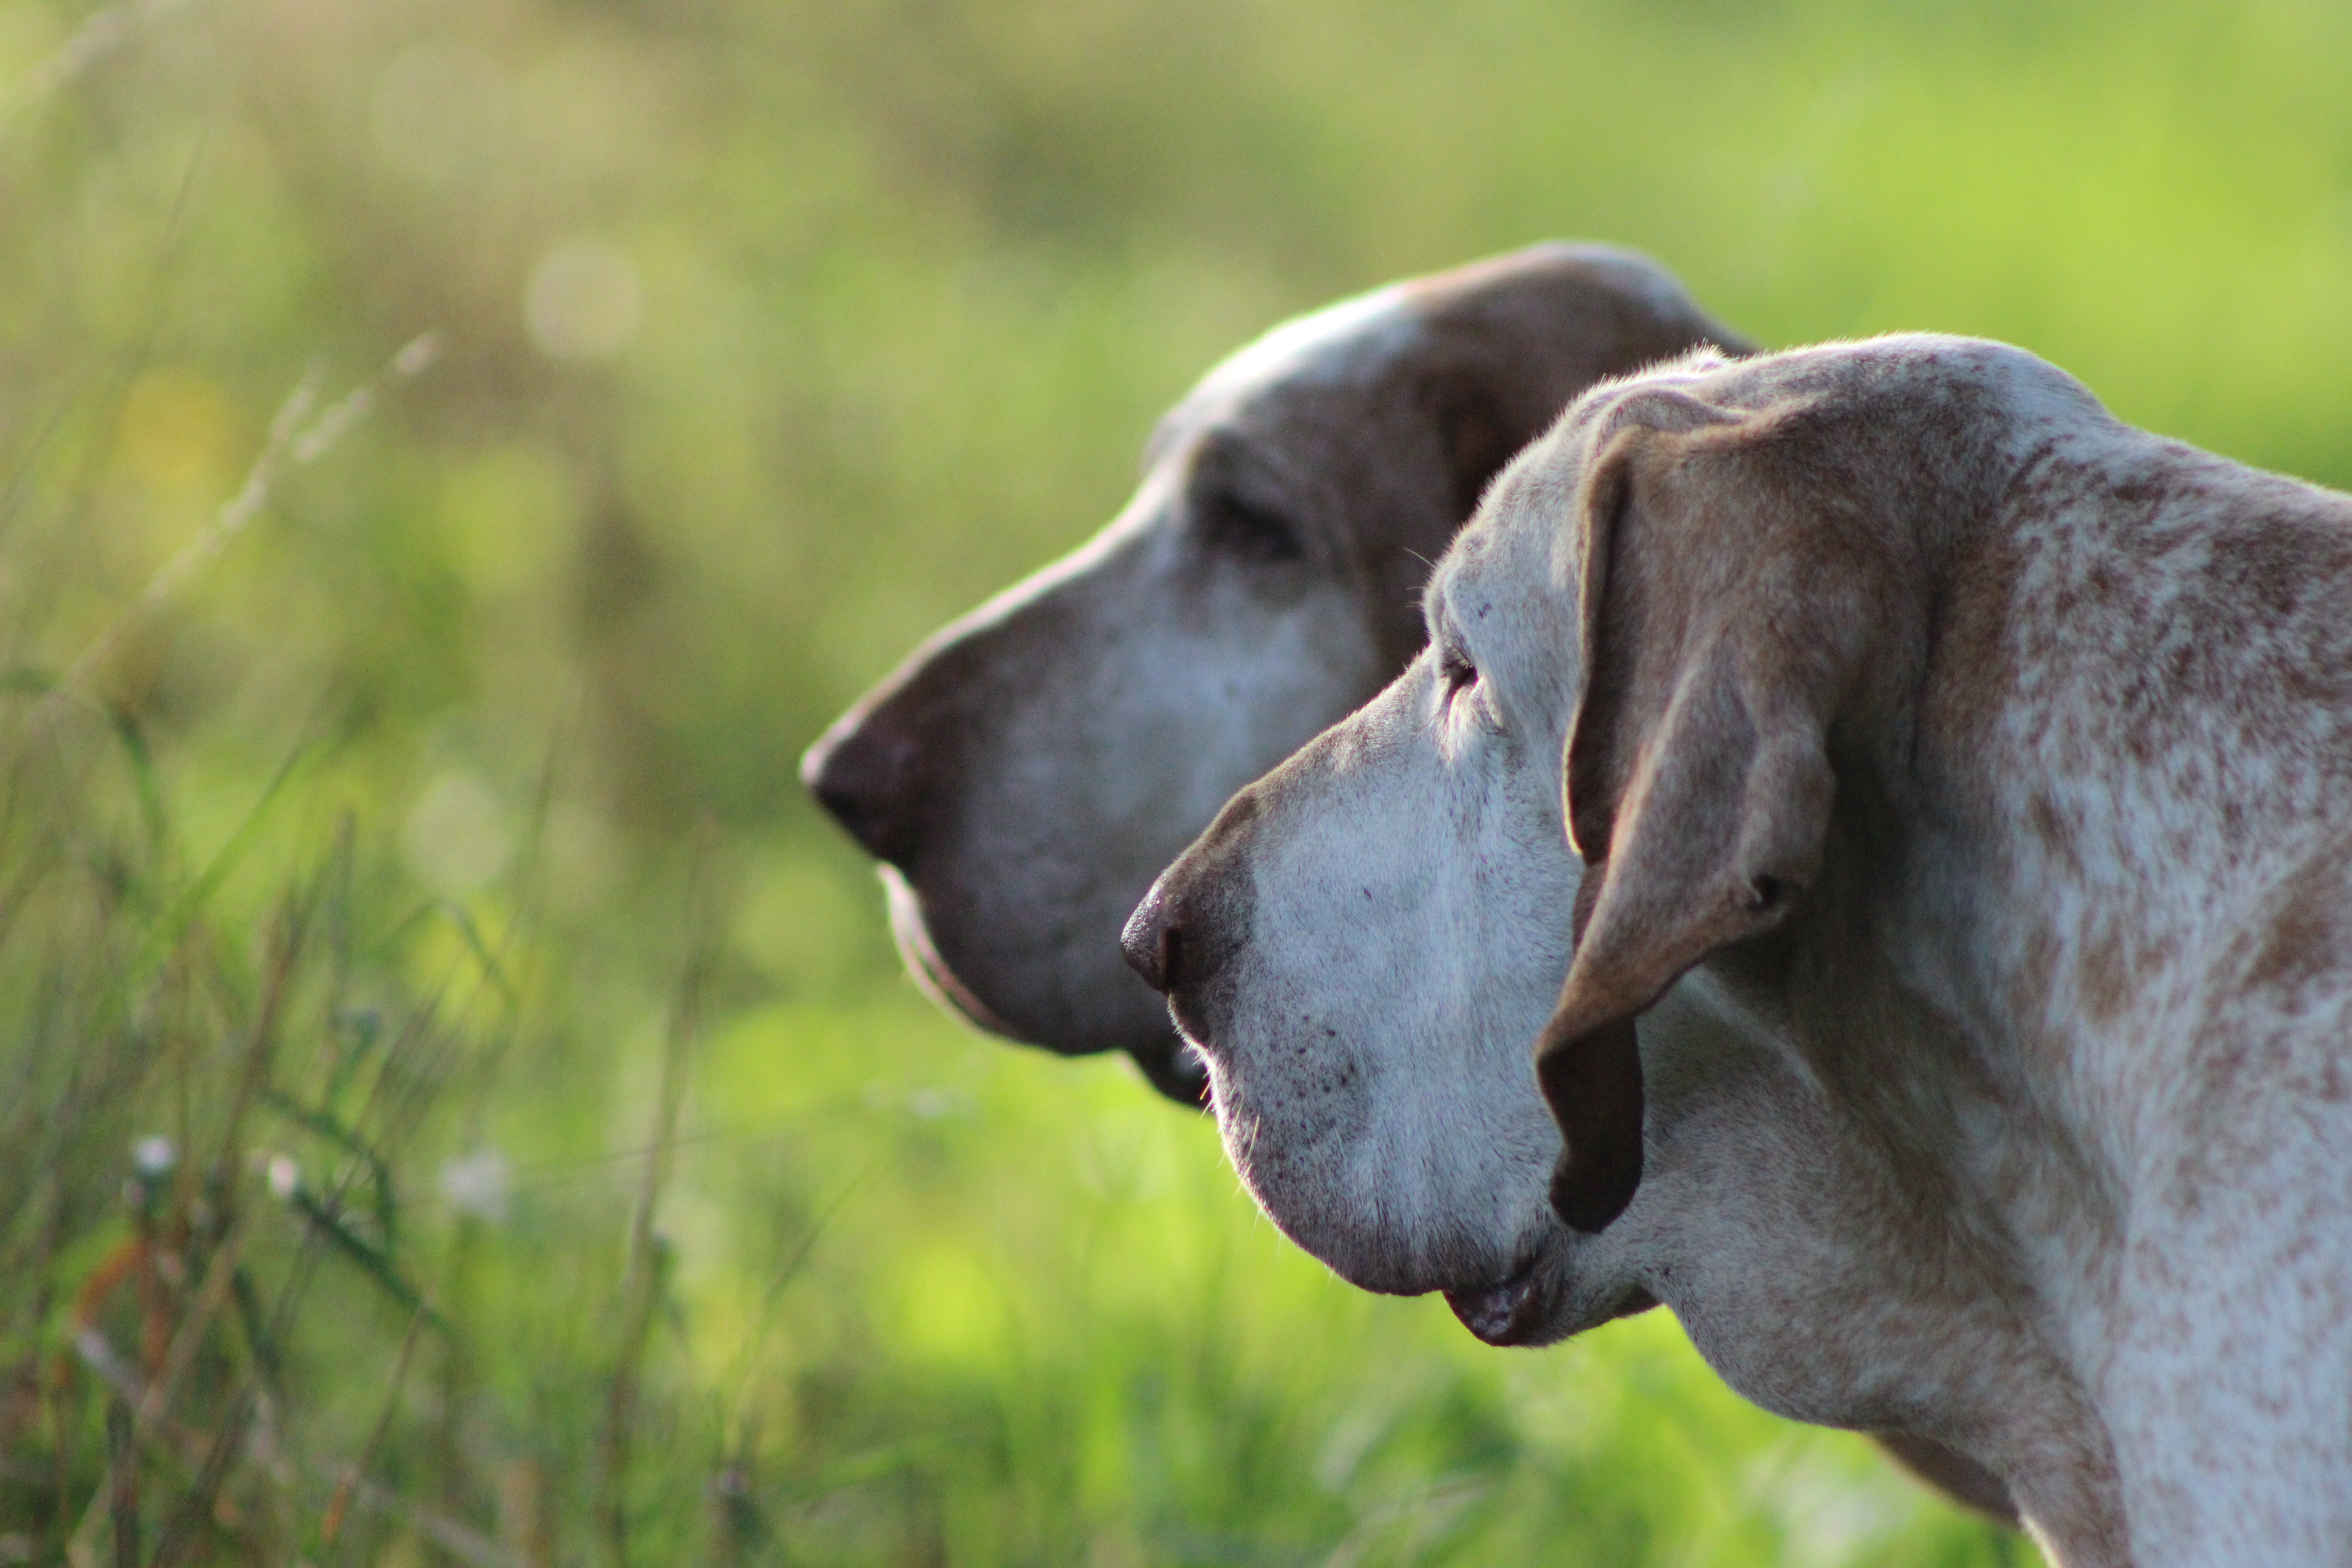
x: 1029, y: 770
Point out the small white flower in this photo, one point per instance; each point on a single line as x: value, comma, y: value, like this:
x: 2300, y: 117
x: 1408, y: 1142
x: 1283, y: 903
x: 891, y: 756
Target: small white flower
x: 477, y: 1185
x: 153, y: 1156
x: 285, y: 1176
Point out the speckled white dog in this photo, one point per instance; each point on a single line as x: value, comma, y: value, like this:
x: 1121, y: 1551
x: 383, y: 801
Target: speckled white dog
x: 1982, y: 767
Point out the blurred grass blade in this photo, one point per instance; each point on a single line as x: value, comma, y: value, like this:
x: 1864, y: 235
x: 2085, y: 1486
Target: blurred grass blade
x: 641, y: 1285
x: 325, y: 1124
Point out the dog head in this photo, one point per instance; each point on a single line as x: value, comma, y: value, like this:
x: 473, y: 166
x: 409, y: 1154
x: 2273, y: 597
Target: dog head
x: 1028, y: 769
x: 1671, y: 600
x: 1364, y: 943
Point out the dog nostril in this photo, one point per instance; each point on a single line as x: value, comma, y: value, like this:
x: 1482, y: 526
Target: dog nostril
x: 1171, y: 953
x: 1151, y: 943
x: 1176, y: 939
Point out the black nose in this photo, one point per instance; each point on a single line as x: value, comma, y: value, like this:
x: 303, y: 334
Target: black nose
x: 863, y: 771
x: 1175, y: 939
x: 1198, y: 914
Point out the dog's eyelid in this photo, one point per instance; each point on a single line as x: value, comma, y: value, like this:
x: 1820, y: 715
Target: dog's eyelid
x: 1230, y: 523
x: 1456, y: 668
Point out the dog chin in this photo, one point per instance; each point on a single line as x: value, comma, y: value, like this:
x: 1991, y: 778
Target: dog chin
x: 1167, y: 1063
x: 1541, y: 1303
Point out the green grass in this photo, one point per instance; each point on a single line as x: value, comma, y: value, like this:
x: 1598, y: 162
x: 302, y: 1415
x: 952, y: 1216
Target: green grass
x: 389, y: 856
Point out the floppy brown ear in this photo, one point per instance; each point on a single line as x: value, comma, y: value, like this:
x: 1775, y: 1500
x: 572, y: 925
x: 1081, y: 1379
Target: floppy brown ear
x: 1699, y: 787
x: 1481, y: 425
x: 1515, y: 338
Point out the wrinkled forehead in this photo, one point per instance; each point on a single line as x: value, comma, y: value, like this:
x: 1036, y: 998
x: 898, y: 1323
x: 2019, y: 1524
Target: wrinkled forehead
x: 1303, y: 369
x: 1501, y: 555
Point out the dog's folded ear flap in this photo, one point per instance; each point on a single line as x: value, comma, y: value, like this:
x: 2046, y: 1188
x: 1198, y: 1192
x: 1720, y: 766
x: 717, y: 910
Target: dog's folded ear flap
x: 1697, y: 786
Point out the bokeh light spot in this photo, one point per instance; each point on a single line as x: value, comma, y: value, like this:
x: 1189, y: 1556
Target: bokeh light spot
x: 456, y: 838
x: 583, y: 302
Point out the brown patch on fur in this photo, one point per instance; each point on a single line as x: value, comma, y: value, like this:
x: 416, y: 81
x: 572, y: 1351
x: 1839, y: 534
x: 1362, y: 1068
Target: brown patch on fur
x: 2056, y: 833
x: 2107, y: 979
x: 2303, y: 943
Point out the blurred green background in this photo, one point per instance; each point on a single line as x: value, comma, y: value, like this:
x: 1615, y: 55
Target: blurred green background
x: 458, y: 1103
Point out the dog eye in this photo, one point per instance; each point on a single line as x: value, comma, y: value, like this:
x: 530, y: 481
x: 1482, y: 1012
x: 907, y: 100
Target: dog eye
x: 1231, y: 526
x: 1454, y: 671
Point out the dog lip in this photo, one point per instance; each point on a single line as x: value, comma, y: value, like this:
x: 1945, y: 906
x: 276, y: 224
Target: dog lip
x: 1510, y: 1313
x: 913, y: 933
x: 1193, y: 1025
